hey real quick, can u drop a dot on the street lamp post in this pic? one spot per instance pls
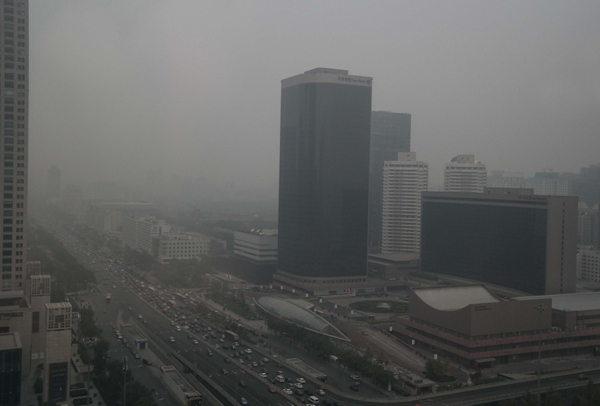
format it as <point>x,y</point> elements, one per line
<point>87,343</point>
<point>540,308</point>
<point>125,368</point>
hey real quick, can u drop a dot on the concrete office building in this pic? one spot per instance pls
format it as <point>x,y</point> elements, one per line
<point>254,256</point>
<point>10,369</point>
<point>588,263</point>
<point>53,191</point>
<point>390,134</point>
<point>188,245</point>
<point>24,293</point>
<point>588,225</point>
<point>464,174</point>
<point>324,176</point>
<point>403,182</point>
<point>506,237</point>
<point>139,232</point>
<point>472,326</point>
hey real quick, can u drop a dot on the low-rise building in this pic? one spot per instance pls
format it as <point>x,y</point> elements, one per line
<point>185,245</point>
<point>393,266</point>
<point>254,256</point>
<point>472,326</point>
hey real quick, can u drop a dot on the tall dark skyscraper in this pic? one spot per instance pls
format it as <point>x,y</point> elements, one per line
<point>390,134</point>
<point>324,174</point>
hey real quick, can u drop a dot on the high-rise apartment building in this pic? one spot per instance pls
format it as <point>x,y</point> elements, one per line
<point>464,174</point>
<point>53,185</point>
<point>324,175</point>
<point>403,182</point>
<point>14,103</point>
<point>507,237</point>
<point>551,184</point>
<point>25,294</point>
<point>390,134</point>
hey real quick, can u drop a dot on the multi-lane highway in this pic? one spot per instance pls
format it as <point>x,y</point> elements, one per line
<point>127,294</point>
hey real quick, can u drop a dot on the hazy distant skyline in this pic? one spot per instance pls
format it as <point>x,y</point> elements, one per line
<point>193,87</point>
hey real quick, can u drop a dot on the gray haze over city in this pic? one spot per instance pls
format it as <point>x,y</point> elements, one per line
<point>192,88</point>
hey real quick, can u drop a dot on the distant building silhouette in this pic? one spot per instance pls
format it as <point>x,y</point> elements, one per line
<point>53,192</point>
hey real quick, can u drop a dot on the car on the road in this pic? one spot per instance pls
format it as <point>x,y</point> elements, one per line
<point>248,351</point>
<point>355,377</point>
<point>243,384</point>
<point>224,371</point>
<point>136,355</point>
<point>227,360</point>
<point>583,377</point>
<point>298,385</point>
<point>288,391</point>
<point>313,399</point>
<point>241,361</point>
<point>300,380</point>
<point>254,365</point>
<point>195,342</point>
<point>263,375</point>
<point>146,362</point>
<point>140,317</point>
<point>271,390</point>
<point>265,359</point>
<point>321,392</point>
<point>172,339</point>
<point>243,401</point>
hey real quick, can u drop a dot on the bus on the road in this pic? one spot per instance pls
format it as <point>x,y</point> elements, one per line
<point>231,335</point>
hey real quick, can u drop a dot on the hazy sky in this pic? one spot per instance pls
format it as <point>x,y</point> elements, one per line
<point>193,87</point>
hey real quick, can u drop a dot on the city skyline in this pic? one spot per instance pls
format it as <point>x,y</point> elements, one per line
<point>507,83</point>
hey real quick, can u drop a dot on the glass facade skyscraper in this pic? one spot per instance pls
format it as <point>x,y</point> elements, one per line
<point>324,173</point>
<point>506,237</point>
<point>390,134</point>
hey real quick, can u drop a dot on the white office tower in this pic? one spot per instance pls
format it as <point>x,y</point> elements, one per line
<point>403,182</point>
<point>464,174</point>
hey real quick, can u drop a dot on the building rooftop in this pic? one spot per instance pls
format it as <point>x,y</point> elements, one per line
<point>396,257</point>
<point>300,313</point>
<point>574,302</point>
<point>450,298</point>
<point>61,305</point>
<point>10,341</point>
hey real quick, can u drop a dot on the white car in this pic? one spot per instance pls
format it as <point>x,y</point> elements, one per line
<point>298,385</point>
<point>172,339</point>
<point>263,375</point>
<point>288,391</point>
<point>241,361</point>
<point>248,351</point>
<point>140,317</point>
<point>300,380</point>
<point>355,377</point>
<point>196,342</point>
<point>321,392</point>
<point>265,359</point>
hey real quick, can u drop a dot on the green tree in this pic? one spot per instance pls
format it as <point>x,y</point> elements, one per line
<point>552,398</point>
<point>530,399</point>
